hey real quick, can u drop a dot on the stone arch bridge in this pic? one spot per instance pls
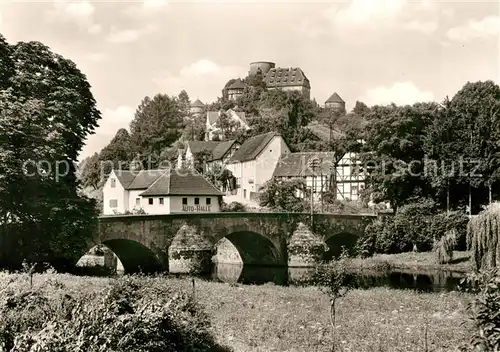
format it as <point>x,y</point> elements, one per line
<point>184,242</point>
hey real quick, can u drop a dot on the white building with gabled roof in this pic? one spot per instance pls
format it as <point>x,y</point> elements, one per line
<point>254,162</point>
<point>159,192</point>
<point>211,128</point>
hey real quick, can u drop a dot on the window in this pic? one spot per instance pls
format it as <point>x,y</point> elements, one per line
<point>184,201</point>
<point>113,182</point>
<point>196,201</point>
<point>113,203</point>
<point>245,193</point>
<point>150,200</point>
<point>209,201</point>
<point>161,201</point>
<point>138,201</point>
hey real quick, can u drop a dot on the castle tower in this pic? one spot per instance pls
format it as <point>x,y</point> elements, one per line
<point>197,107</point>
<point>335,102</point>
<point>263,66</point>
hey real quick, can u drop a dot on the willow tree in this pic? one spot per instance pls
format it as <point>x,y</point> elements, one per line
<point>483,238</point>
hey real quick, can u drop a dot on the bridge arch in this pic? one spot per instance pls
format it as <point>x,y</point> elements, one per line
<point>194,246</point>
<point>134,241</point>
<point>341,231</point>
<point>135,257</point>
<point>336,241</point>
<point>255,249</point>
<point>258,242</point>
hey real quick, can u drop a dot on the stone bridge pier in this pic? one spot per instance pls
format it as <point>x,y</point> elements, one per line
<point>187,243</point>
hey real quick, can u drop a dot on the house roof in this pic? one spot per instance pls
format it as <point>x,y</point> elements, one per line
<point>285,77</point>
<point>144,179</point>
<point>322,131</point>
<point>197,104</point>
<point>299,164</point>
<point>252,147</point>
<point>125,177</point>
<point>238,84</point>
<point>221,149</point>
<point>335,98</point>
<point>216,148</point>
<point>241,115</point>
<point>213,116</point>
<point>181,182</point>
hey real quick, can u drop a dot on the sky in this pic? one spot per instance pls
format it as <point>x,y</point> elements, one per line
<point>375,51</point>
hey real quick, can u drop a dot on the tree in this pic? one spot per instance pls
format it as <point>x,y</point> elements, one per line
<point>475,111</point>
<point>229,129</point>
<point>63,89</point>
<point>361,109</point>
<point>184,102</point>
<point>194,129</point>
<point>250,99</point>
<point>394,153</point>
<point>284,195</point>
<point>47,112</point>
<point>117,154</point>
<point>256,80</point>
<point>91,175</point>
<point>6,64</point>
<point>462,141</point>
<point>158,123</point>
<point>441,147</point>
<point>220,177</point>
<point>286,113</point>
<point>200,160</point>
<point>482,238</point>
<point>300,110</point>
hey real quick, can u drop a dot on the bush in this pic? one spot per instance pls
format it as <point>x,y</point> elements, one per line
<point>233,207</point>
<point>484,310</point>
<point>455,220</point>
<point>338,206</point>
<point>415,224</point>
<point>284,195</point>
<point>444,247</point>
<point>134,314</point>
<point>381,236</point>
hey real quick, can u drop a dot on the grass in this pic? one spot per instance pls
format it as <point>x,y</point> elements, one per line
<point>273,318</point>
<point>417,261</point>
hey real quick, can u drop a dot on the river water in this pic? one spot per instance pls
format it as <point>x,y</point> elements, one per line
<point>432,281</point>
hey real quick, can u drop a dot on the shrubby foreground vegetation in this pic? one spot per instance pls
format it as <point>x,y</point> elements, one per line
<point>67,313</point>
<point>62,313</point>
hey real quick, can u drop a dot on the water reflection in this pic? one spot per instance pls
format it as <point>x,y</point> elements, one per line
<point>255,275</point>
<point>250,274</point>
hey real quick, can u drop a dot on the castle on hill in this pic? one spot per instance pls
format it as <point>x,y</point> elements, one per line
<point>287,79</point>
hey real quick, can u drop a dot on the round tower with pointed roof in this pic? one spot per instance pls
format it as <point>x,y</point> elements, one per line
<point>335,102</point>
<point>197,107</point>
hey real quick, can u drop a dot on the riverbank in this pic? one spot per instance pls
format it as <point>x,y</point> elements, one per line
<point>275,318</point>
<point>413,261</point>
